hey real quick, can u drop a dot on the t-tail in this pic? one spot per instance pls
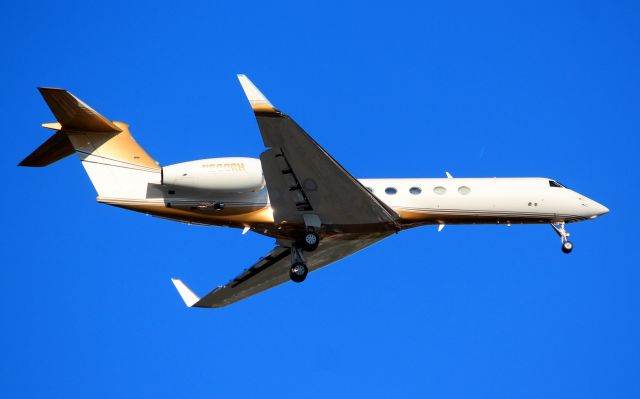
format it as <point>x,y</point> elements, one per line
<point>116,164</point>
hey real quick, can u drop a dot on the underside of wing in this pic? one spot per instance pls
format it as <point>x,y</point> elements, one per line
<point>303,179</point>
<point>273,270</point>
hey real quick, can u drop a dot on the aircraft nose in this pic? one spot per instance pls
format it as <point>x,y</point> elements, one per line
<point>600,209</point>
<point>595,209</point>
<point>590,208</point>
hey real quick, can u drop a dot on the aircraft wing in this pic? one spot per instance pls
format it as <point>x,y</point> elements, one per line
<point>305,184</point>
<point>273,270</point>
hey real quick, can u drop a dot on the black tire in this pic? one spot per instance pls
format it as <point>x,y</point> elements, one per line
<point>567,247</point>
<point>298,272</point>
<point>310,241</point>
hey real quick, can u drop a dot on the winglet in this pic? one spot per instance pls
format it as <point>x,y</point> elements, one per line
<point>52,126</point>
<point>185,292</point>
<point>258,101</point>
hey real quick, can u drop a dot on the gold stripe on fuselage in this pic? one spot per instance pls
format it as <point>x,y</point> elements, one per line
<point>236,216</point>
<point>261,216</point>
<point>415,219</point>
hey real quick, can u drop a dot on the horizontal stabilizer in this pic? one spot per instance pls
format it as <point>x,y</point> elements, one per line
<point>56,148</point>
<point>73,114</point>
<point>185,292</point>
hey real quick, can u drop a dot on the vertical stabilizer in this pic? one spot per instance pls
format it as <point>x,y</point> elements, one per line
<point>116,164</point>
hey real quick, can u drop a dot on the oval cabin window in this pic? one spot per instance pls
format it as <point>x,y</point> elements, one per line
<point>415,190</point>
<point>390,190</point>
<point>464,190</point>
<point>439,190</point>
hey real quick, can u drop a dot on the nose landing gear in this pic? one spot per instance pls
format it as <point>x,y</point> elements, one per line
<point>567,246</point>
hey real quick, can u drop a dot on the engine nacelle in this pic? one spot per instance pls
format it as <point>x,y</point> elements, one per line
<point>238,175</point>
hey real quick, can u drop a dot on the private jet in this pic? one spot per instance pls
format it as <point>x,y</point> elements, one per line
<point>296,193</point>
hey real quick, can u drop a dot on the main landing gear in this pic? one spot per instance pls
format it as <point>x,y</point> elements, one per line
<point>567,246</point>
<point>309,243</point>
<point>299,269</point>
<point>298,272</point>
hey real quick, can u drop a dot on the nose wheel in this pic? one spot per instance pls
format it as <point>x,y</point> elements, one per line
<point>567,246</point>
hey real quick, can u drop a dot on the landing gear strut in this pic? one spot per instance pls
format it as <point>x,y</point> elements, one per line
<point>308,243</point>
<point>299,270</point>
<point>567,246</point>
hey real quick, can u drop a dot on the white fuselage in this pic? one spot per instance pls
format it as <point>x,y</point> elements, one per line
<point>232,192</point>
<point>476,200</point>
<point>238,182</point>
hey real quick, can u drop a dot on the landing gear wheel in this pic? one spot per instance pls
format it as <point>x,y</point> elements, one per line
<point>310,241</point>
<point>567,246</point>
<point>298,272</point>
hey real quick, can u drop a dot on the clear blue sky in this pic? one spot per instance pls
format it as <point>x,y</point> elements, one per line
<point>390,90</point>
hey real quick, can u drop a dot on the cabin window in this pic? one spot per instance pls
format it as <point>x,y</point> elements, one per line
<point>464,190</point>
<point>553,183</point>
<point>415,190</point>
<point>440,190</point>
<point>390,190</point>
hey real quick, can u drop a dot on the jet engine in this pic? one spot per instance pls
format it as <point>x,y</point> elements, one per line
<point>237,175</point>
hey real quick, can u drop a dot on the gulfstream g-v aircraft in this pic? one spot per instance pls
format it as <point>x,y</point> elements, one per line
<point>316,211</point>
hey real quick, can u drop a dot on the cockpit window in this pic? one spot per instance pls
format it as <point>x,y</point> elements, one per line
<point>553,183</point>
